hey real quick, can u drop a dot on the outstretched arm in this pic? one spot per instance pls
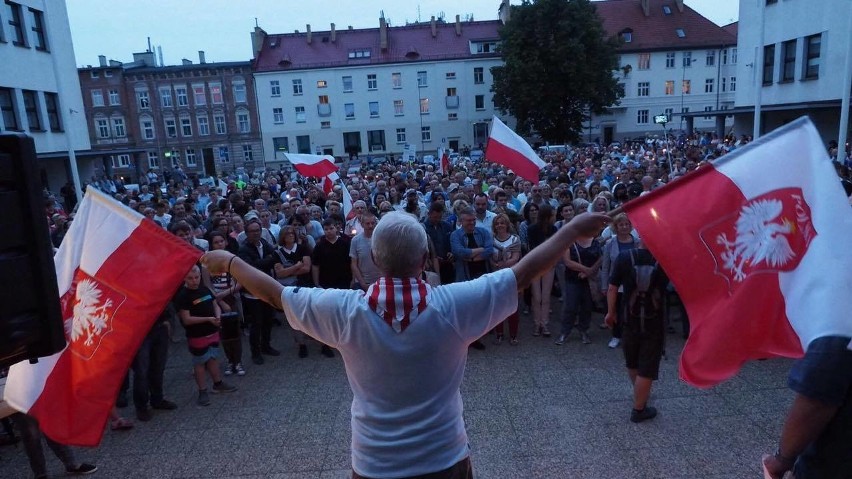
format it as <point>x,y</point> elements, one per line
<point>255,281</point>
<point>545,256</point>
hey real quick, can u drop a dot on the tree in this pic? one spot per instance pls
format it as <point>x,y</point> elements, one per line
<point>558,66</point>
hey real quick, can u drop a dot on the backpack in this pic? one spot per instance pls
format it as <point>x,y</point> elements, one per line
<point>645,302</point>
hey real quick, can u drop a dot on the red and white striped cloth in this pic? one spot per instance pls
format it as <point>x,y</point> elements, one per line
<point>398,300</point>
<point>314,166</point>
<point>510,150</point>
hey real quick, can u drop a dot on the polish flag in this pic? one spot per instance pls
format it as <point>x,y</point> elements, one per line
<point>445,162</point>
<point>328,183</point>
<point>348,211</point>
<point>753,244</point>
<point>116,270</point>
<point>315,166</point>
<point>510,150</point>
<point>440,168</point>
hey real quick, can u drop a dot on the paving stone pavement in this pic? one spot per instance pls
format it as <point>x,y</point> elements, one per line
<point>535,410</point>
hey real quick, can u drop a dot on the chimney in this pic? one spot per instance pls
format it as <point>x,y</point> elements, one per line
<point>146,58</point>
<point>114,63</point>
<point>646,7</point>
<point>458,25</point>
<point>679,5</point>
<point>186,61</point>
<point>201,58</point>
<point>434,27</point>
<point>504,13</point>
<point>258,36</point>
<point>333,34</point>
<point>308,30</point>
<point>102,60</point>
<point>383,34</point>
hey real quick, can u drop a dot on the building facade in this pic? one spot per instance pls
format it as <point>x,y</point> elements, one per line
<point>39,91</point>
<point>374,91</point>
<point>797,67</point>
<point>143,116</point>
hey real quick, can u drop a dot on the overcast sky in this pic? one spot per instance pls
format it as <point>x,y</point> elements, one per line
<point>221,27</point>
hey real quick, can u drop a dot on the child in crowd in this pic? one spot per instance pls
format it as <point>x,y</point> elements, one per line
<point>200,315</point>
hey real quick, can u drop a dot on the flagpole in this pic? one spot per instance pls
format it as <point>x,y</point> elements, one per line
<point>844,102</point>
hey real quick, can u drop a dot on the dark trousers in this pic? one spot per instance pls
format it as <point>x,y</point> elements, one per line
<point>259,318</point>
<point>460,470</point>
<point>31,437</point>
<point>148,367</point>
<point>578,307</point>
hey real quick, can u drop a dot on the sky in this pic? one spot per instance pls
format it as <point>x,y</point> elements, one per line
<point>221,27</point>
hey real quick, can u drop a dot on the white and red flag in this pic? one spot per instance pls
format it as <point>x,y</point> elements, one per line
<point>510,150</point>
<point>315,166</point>
<point>328,183</point>
<point>752,243</point>
<point>348,210</point>
<point>116,270</point>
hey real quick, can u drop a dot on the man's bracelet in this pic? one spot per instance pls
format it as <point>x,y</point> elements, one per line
<point>787,461</point>
<point>229,263</point>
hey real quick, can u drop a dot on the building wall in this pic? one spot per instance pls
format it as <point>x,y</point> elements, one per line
<point>451,118</point>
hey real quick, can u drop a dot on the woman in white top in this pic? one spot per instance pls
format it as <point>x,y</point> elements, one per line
<point>507,252</point>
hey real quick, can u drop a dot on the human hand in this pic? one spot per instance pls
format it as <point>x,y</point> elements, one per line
<point>216,321</point>
<point>774,467</point>
<point>216,261</point>
<point>589,224</point>
<point>609,319</point>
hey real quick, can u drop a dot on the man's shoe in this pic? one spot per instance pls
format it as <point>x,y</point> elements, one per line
<point>143,414</point>
<point>561,340</point>
<point>613,343</point>
<point>223,387</point>
<point>81,470</point>
<point>164,405</point>
<point>643,415</point>
<point>229,369</point>
<point>203,398</point>
<point>303,351</point>
<point>585,338</point>
<point>270,351</point>
<point>257,359</point>
<point>477,345</point>
<point>239,369</point>
<point>326,351</point>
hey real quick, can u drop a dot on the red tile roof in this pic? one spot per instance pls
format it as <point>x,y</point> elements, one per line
<point>403,42</point>
<point>732,28</point>
<point>657,31</point>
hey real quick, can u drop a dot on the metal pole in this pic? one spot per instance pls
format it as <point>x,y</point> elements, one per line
<point>844,103</point>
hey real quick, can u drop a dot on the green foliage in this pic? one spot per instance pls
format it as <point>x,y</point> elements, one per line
<point>558,64</point>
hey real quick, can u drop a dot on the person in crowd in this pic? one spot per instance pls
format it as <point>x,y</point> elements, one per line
<point>621,240</point>
<point>484,217</point>
<point>226,292</point>
<point>32,436</point>
<point>507,253</point>
<point>364,270</point>
<point>582,262</point>
<point>259,253</point>
<point>439,232</point>
<point>294,270</point>
<point>472,248</point>
<point>538,233</point>
<point>330,263</point>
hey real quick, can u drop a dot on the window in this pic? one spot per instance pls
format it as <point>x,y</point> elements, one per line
<point>297,87</point>
<point>171,127</point>
<point>626,35</point>
<point>108,73</point>
<point>708,108</point>
<point>479,102</point>
<point>280,143</point>
<point>667,10</point>
<point>359,53</point>
<point>396,80</point>
<point>349,110</point>
<point>166,97</point>
<point>103,128</point>
<point>31,109</point>
<point>7,106</point>
<point>303,144</point>
<point>147,129</point>
<point>93,73</point>
<point>710,60</point>
<point>216,94</point>
<point>153,160</point>
<point>243,123</point>
<point>114,98</point>
<point>424,106</point>
<point>724,56</point>
<point>734,56</point>
<point>768,64</point>
<point>325,124</point>
<point>224,154</point>
<point>708,85</point>
<point>724,85</point>
<point>17,24</point>
<point>451,91</point>
<point>323,99</point>
<point>684,110</point>
<point>118,128</point>
<point>451,75</point>
<point>680,33</point>
<point>278,115</point>
<point>51,102</point>
<point>376,140</point>
<point>644,61</point>
<point>120,161</point>
<point>733,83</point>
<point>425,133</point>
<point>422,79</point>
<point>143,100</point>
<point>97,98</point>
<point>486,47</point>
<point>478,75</point>
<point>452,116</point>
<point>788,68</point>
<point>374,109</point>
<point>182,99</point>
<point>219,124</point>
<point>670,60</point>
<point>400,135</point>
<point>669,87</point>
<point>347,84</point>
<point>642,117</point>
<point>687,59</point>
<point>190,157</point>
<point>322,84</point>
<point>203,125</point>
<point>813,45</point>
<point>186,126</point>
<point>398,108</point>
<point>240,92</point>
<point>643,88</point>
<point>38,29</point>
<point>248,155</point>
<point>669,112</point>
<point>300,114</point>
<point>274,88</point>
<point>372,83</point>
<point>199,96</point>
<point>686,87</point>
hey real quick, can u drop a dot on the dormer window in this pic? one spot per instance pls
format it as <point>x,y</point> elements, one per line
<point>680,33</point>
<point>481,47</point>
<point>626,35</point>
<point>359,53</point>
<point>667,10</point>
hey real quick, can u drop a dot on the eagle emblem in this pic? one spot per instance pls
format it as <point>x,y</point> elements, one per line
<point>88,309</point>
<point>770,233</point>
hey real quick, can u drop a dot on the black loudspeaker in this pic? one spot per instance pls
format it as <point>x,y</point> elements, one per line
<point>30,316</point>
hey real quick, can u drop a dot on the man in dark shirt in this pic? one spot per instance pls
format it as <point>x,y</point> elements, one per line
<point>260,254</point>
<point>330,262</point>
<point>438,232</point>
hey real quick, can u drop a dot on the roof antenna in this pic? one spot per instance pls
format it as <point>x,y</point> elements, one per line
<point>255,22</point>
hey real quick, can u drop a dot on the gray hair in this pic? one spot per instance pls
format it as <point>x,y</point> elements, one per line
<point>399,244</point>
